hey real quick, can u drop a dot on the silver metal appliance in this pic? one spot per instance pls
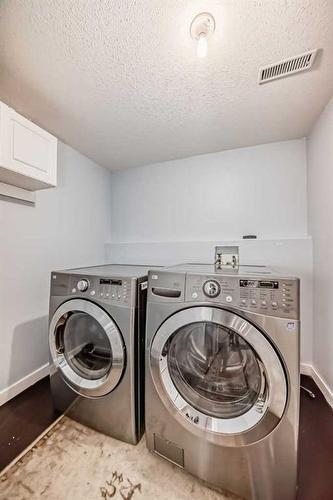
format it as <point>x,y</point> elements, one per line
<point>96,339</point>
<point>222,376</point>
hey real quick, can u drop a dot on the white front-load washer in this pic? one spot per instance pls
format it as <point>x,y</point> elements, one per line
<point>96,340</point>
<point>222,376</point>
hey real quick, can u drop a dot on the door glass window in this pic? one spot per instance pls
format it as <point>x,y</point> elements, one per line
<point>214,369</point>
<point>85,345</point>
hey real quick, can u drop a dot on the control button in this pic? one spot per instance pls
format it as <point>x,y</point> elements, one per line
<point>107,294</point>
<point>92,292</point>
<point>228,298</point>
<point>82,285</point>
<point>113,296</point>
<point>274,304</point>
<point>243,301</point>
<point>253,302</point>
<point>73,290</point>
<point>119,296</point>
<point>194,295</point>
<point>211,289</point>
<point>263,303</point>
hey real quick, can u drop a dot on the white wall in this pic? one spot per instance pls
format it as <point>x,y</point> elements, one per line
<point>260,190</point>
<point>179,210</point>
<point>320,196</point>
<point>68,227</point>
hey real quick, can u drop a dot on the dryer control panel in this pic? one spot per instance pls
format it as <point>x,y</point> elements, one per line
<point>269,296</point>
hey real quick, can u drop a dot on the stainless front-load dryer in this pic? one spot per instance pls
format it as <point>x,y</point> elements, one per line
<point>96,339</point>
<point>222,377</point>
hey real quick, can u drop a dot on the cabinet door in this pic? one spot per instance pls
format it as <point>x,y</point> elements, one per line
<point>28,153</point>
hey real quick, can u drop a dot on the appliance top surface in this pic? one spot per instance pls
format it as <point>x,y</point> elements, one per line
<point>110,270</point>
<point>197,268</point>
<point>245,270</point>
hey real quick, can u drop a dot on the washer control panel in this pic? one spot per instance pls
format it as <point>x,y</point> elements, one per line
<point>119,291</point>
<point>270,296</point>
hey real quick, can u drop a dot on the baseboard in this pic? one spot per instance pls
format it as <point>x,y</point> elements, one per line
<point>307,369</point>
<point>325,389</point>
<point>22,384</point>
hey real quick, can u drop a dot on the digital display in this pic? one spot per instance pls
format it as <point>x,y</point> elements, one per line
<point>268,284</point>
<point>110,282</point>
<point>259,284</point>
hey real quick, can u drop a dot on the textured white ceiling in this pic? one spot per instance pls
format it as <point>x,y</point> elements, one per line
<point>119,80</point>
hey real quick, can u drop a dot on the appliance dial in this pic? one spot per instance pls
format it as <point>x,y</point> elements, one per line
<point>211,289</point>
<point>82,285</point>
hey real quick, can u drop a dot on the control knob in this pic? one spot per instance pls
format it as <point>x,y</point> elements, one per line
<point>211,288</point>
<point>82,285</point>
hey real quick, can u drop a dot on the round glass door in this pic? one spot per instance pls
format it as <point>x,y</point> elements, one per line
<point>87,347</point>
<point>218,373</point>
<point>215,369</point>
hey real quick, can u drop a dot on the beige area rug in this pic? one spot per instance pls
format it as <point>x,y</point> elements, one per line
<point>74,462</point>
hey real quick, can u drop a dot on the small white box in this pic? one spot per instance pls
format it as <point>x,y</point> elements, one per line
<point>226,258</point>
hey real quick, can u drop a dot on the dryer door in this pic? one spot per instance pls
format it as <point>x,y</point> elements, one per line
<point>219,374</point>
<point>87,347</point>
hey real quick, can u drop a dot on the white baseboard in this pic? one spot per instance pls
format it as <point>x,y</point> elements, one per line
<point>325,389</point>
<point>307,369</point>
<point>22,384</point>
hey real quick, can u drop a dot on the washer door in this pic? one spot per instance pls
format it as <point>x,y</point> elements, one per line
<point>87,347</point>
<point>219,374</point>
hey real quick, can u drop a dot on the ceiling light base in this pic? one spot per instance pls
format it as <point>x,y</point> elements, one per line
<point>202,25</point>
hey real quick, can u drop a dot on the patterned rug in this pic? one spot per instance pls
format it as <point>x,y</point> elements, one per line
<point>74,462</point>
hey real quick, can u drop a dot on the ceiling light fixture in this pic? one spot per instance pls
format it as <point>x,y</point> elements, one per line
<point>202,26</point>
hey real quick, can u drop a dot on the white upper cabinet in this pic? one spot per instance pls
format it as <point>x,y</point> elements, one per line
<point>28,154</point>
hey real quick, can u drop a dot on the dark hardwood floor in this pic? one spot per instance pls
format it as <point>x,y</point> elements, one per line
<point>315,459</point>
<point>23,418</point>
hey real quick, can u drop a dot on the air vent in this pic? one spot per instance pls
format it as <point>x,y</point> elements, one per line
<point>287,67</point>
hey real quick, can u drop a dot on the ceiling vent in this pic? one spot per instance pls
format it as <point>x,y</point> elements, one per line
<point>287,67</point>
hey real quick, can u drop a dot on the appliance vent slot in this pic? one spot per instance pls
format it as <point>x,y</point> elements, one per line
<point>287,67</point>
